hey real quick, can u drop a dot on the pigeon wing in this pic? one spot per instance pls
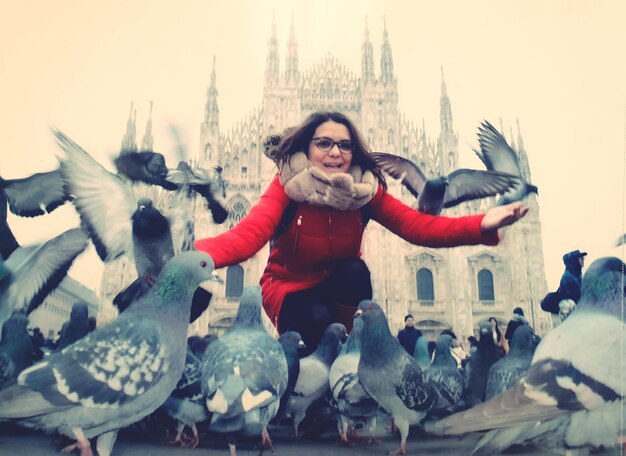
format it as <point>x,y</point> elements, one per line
<point>39,270</point>
<point>495,152</point>
<point>411,388</point>
<point>106,369</point>
<point>104,202</point>
<point>401,168</point>
<point>37,194</point>
<point>470,184</point>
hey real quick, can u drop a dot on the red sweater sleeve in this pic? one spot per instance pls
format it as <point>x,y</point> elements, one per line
<point>425,229</point>
<point>251,233</point>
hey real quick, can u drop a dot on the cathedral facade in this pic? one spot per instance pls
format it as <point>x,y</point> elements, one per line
<point>442,288</point>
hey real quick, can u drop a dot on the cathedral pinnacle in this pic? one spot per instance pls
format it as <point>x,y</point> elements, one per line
<point>367,58</point>
<point>386,59</point>
<point>148,140</point>
<point>291,72</point>
<point>211,110</point>
<point>272,70</point>
<point>129,143</point>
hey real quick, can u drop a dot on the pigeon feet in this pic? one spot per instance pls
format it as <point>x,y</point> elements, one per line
<point>401,450</point>
<point>83,445</point>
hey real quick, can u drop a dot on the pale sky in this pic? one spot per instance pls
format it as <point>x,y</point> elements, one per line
<point>558,67</point>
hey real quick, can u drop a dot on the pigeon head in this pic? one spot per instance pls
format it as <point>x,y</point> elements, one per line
<point>603,285</point>
<point>156,166</point>
<point>523,340</point>
<point>329,345</point>
<point>485,335</point>
<point>376,332</point>
<point>249,312</point>
<point>291,341</point>
<point>443,355</point>
<point>148,222</point>
<point>180,277</point>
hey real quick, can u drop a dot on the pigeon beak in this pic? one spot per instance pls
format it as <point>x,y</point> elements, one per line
<point>215,278</point>
<point>301,344</point>
<point>358,313</point>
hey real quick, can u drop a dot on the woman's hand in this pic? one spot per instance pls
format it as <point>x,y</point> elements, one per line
<point>500,216</point>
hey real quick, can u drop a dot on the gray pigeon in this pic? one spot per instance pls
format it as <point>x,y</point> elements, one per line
<point>8,243</point>
<point>505,372</point>
<point>477,368</point>
<point>572,394</point>
<point>76,327</point>
<point>291,341</point>
<point>497,155</point>
<point>353,403</point>
<point>117,223</point>
<point>36,270</point>
<point>35,195</point>
<point>244,374</point>
<point>312,382</point>
<point>118,373</point>
<point>145,166</point>
<point>444,376</point>
<point>390,375</point>
<point>16,349</point>
<point>444,191</point>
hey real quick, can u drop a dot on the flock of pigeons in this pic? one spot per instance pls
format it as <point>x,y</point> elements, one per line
<point>565,392</point>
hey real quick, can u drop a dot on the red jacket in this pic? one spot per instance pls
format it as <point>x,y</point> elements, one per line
<point>304,254</point>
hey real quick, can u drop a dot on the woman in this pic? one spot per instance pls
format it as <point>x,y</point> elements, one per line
<point>314,275</point>
<point>498,339</point>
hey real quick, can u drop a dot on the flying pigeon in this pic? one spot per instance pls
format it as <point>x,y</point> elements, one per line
<point>312,382</point>
<point>444,191</point>
<point>8,243</point>
<point>572,394</point>
<point>35,195</point>
<point>505,372</point>
<point>244,374</point>
<point>477,368</point>
<point>118,373</point>
<point>36,270</point>
<point>291,341</point>
<point>76,327</point>
<point>390,375</point>
<point>445,378</point>
<point>16,349</point>
<point>353,403</point>
<point>117,223</point>
<point>497,155</point>
<point>146,166</point>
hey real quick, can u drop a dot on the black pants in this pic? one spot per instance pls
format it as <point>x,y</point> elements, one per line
<point>309,312</point>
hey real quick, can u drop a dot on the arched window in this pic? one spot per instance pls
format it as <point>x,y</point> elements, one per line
<point>425,289</point>
<point>234,281</point>
<point>236,211</point>
<point>485,285</point>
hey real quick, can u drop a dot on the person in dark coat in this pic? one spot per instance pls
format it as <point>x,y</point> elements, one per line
<point>515,322</point>
<point>409,335</point>
<point>571,280</point>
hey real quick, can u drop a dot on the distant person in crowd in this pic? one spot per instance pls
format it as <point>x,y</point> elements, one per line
<point>515,322</point>
<point>498,338</point>
<point>562,301</point>
<point>408,336</point>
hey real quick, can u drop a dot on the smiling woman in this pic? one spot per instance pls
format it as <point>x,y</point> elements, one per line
<point>315,275</point>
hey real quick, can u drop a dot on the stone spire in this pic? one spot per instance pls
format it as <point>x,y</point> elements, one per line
<point>291,71</point>
<point>367,58</point>
<point>211,110</point>
<point>386,59</point>
<point>272,70</point>
<point>447,144</point>
<point>129,142</point>
<point>148,140</point>
<point>523,156</point>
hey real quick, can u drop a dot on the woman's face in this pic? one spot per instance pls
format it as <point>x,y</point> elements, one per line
<point>338,158</point>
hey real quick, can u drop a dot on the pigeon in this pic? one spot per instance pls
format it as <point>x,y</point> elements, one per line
<point>497,155</point>
<point>505,372</point>
<point>147,167</point>
<point>353,403</point>
<point>477,368</point>
<point>572,394</point>
<point>76,327</point>
<point>291,341</point>
<point>36,270</point>
<point>421,353</point>
<point>390,375</point>
<point>186,404</point>
<point>621,240</point>
<point>445,378</point>
<point>117,223</point>
<point>16,349</point>
<point>244,374</point>
<point>312,381</point>
<point>444,191</point>
<point>118,373</point>
<point>35,195</point>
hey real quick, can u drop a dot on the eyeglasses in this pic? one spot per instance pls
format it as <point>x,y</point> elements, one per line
<point>325,144</point>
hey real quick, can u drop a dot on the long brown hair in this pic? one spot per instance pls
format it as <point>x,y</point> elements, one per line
<point>297,139</point>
